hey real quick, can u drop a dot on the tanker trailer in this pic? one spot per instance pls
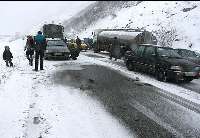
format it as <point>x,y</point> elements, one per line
<point>126,37</point>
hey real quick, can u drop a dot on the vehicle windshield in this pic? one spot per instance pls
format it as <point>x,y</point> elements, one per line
<point>56,43</point>
<point>167,52</point>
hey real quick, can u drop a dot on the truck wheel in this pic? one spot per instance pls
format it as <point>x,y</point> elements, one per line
<point>67,57</point>
<point>161,76</point>
<point>129,65</point>
<point>74,58</point>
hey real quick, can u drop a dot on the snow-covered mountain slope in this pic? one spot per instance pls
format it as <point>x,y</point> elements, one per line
<point>94,13</point>
<point>180,16</point>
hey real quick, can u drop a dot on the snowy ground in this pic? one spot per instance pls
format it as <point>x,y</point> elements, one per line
<point>32,106</point>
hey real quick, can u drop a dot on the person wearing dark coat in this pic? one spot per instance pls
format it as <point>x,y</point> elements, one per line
<point>115,49</point>
<point>29,48</point>
<point>7,56</point>
<point>40,47</point>
<point>78,42</point>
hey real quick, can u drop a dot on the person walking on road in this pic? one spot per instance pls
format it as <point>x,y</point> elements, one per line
<point>115,49</point>
<point>7,56</point>
<point>29,48</point>
<point>40,47</point>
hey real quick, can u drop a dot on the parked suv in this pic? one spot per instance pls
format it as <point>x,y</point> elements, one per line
<point>190,55</point>
<point>164,63</point>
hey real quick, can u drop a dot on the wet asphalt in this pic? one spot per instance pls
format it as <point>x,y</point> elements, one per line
<point>141,107</point>
<point>194,85</point>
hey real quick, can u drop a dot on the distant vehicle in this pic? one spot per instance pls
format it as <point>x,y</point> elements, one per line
<point>56,49</point>
<point>84,46</point>
<point>103,38</point>
<point>189,54</point>
<point>88,42</point>
<point>162,62</point>
<point>53,31</point>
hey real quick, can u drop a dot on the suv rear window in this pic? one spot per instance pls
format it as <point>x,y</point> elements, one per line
<point>139,51</point>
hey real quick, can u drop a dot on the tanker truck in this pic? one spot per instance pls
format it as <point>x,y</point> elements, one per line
<point>103,38</point>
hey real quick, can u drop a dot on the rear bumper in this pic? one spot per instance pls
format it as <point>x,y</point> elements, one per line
<point>182,75</point>
<point>55,55</point>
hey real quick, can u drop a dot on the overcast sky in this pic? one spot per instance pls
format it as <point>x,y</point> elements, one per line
<point>21,16</point>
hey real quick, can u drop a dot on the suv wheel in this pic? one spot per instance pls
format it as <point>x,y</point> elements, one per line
<point>129,65</point>
<point>187,80</point>
<point>161,76</point>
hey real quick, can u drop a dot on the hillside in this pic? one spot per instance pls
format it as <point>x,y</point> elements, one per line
<point>94,13</point>
<point>180,18</point>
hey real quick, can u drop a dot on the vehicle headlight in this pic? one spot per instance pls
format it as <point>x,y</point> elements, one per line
<point>46,51</point>
<point>197,68</point>
<point>176,68</point>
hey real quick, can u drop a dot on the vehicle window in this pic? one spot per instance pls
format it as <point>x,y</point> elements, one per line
<point>168,52</point>
<point>149,51</point>
<point>133,47</point>
<point>56,43</point>
<point>139,50</point>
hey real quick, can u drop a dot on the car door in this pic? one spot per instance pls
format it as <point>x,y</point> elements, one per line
<point>149,59</point>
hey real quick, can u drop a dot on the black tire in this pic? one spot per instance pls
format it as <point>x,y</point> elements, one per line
<point>67,57</point>
<point>129,65</point>
<point>74,58</point>
<point>161,76</point>
<point>188,80</point>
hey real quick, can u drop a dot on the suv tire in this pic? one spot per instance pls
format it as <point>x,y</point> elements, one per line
<point>129,65</point>
<point>161,76</point>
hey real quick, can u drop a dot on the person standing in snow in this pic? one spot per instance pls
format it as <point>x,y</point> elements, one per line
<point>115,49</point>
<point>40,47</point>
<point>7,56</point>
<point>78,42</point>
<point>29,47</point>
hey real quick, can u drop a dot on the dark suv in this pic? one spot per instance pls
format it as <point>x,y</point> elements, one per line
<point>164,63</point>
<point>189,54</point>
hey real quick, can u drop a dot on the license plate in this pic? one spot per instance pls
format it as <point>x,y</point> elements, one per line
<point>57,54</point>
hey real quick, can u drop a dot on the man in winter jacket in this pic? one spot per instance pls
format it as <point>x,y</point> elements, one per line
<point>115,49</point>
<point>7,56</point>
<point>40,47</point>
<point>78,42</point>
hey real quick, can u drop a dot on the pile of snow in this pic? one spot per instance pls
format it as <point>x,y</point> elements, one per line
<point>152,15</point>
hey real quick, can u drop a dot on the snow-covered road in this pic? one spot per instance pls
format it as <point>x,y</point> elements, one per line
<point>32,106</point>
